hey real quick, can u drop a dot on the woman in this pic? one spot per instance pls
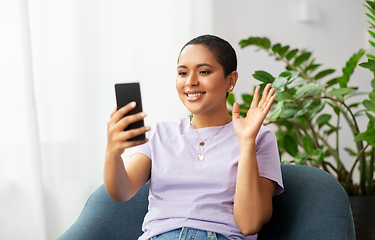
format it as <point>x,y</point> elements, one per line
<point>212,176</point>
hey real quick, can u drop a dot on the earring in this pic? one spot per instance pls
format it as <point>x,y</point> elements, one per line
<point>231,88</point>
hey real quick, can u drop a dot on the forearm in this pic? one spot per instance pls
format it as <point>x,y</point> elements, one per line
<point>252,204</point>
<point>116,179</point>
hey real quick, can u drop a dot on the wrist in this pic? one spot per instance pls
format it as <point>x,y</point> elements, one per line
<point>110,155</point>
<point>246,143</point>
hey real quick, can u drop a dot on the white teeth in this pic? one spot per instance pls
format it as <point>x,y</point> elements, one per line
<point>195,94</point>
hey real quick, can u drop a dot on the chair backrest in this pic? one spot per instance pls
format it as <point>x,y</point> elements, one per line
<point>313,206</point>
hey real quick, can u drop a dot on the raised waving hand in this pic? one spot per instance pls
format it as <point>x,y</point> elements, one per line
<point>248,127</point>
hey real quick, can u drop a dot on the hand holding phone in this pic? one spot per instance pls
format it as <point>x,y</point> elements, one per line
<point>126,93</point>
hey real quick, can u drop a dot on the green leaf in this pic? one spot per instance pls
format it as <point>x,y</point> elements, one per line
<point>289,113</point>
<point>246,42</point>
<point>324,73</point>
<point>322,120</point>
<point>370,56</point>
<point>277,112</point>
<point>247,98</point>
<point>369,136</point>
<point>285,74</point>
<point>351,152</point>
<point>371,122</point>
<point>368,15</point>
<point>281,96</point>
<point>354,105</point>
<point>286,162</point>
<point>301,58</point>
<point>358,137</point>
<point>371,43</point>
<point>370,64</point>
<point>318,156</point>
<point>312,67</point>
<point>371,95</point>
<point>231,99</point>
<point>309,90</point>
<point>291,54</point>
<point>339,93</point>
<point>283,50</point>
<point>372,33</point>
<point>263,76</point>
<point>276,48</point>
<point>349,68</point>
<point>331,82</point>
<point>369,105</point>
<point>315,110</point>
<point>300,158</point>
<point>293,77</point>
<point>307,144</point>
<point>290,145</point>
<point>266,43</point>
<point>369,7</point>
<point>279,84</point>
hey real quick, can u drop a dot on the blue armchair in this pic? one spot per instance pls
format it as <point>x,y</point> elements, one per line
<point>313,206</point>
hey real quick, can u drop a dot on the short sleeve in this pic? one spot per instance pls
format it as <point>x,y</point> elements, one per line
<point>268,158</point>
<point>145,148</point>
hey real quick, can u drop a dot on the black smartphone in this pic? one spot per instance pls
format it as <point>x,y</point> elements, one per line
<point>126,93</point>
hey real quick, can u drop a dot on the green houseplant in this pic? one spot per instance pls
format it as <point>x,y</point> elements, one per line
<point>306,101</point>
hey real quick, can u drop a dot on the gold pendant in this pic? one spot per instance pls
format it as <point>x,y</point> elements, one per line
<point>200,157</point>
<point>201,144</point>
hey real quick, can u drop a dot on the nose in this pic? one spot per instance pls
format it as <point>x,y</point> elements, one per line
<point>192,80</point>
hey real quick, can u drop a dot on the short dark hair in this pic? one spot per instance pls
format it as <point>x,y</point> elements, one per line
<point>222,50</point>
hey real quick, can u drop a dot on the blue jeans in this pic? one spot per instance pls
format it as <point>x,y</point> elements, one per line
<point>189,234</point>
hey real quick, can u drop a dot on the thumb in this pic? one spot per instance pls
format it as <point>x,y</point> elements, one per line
<point>235,111</point>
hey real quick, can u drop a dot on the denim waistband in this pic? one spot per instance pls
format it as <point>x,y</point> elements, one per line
<point>186,233</point>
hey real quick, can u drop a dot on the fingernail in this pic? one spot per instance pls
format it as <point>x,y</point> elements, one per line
<point>147,128</point>
<point>143,114</point>
<point>133,104</point>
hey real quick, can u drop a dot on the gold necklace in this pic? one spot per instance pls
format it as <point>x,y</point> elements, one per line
<point>200,157</point>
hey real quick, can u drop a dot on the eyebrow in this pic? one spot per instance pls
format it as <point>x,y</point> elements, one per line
<point>198,65</point>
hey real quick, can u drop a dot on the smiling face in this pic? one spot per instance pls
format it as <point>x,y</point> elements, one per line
<point>201,83</point>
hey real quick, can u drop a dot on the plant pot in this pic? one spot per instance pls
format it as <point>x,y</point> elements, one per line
<point>363,208</point>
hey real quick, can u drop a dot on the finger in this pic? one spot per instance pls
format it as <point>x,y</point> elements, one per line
<point>126,135</point>
<point>122,111</point>
<point>235,111</point>
<point>114,111</point>
<point>268,97</point>
<point>269,104</point>
<point>265,94</point>
<point>126,121</point>
<point>130,144</point>
<point>254,103</point>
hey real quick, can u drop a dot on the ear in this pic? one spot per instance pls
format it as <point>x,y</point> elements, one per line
<point>232,80</point>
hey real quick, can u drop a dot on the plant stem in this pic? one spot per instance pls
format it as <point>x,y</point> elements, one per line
<point>349,177</point>
<point>370,177</point>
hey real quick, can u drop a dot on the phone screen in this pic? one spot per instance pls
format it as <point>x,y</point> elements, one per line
<point>126,93</point>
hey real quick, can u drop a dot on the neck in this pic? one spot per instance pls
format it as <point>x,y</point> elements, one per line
<point>204,120</point>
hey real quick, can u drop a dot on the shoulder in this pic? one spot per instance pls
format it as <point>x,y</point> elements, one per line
<point>168,128</point>
<point>265,133</point>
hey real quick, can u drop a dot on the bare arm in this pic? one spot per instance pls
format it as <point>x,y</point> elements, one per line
<point>121,180</point>
<point>253,198</point>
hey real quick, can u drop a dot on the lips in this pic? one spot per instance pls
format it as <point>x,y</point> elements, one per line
<point>194,96</point>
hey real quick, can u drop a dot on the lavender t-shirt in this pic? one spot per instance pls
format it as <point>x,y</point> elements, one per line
<point>185,192</point>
